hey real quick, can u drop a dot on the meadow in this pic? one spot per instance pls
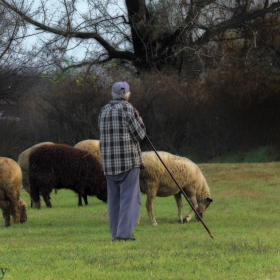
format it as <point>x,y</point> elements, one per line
<point>71,242</point>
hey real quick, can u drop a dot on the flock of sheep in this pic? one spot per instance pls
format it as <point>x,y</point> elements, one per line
<point>48,166</point>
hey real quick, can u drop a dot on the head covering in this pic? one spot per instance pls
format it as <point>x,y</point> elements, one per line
<point>120,88</point>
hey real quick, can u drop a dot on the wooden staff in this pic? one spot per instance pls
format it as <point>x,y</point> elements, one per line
<point>186,197</point>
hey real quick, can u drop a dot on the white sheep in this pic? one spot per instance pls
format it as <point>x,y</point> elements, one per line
<point>91,146</point>
<point>23,161</point>
<point>156,181</point>
<point>153,183</point>
<point>10,184</point>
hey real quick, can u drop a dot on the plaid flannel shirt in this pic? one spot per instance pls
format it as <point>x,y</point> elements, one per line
<point>121,129</point>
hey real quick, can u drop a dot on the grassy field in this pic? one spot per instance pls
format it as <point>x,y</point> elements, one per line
<point>70,242</point>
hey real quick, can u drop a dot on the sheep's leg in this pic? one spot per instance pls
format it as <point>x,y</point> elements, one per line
<point>5,205</point>
<point>149,205</point>
<point>47,198</point>
<point>80,197</point>
<point>35,196</point>
<point>80,202</point>
<point>85,199</point>
<point>178,199</point>
<point>14,210</point>
<point>194,203</point>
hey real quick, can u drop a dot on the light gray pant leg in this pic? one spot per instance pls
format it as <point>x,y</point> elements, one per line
<point>124,201</point>
<point>113,201</point>
<point>130,203</point>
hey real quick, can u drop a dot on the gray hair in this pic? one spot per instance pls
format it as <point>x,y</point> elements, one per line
<point>123,96</point>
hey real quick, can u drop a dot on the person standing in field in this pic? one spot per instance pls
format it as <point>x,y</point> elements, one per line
<point>121,128</point>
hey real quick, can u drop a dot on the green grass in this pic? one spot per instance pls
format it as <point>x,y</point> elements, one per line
<point>70,242</point>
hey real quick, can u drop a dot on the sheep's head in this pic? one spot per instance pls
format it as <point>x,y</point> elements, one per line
<point>202,206</point>
<point>102,192</point>
<point>22,210</point>
<point>102,196</point>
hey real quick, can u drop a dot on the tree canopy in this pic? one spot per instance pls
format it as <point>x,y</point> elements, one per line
<point>147,34</point>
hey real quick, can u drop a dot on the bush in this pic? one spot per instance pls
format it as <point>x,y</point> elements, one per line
<point>228,111</point>
<point>71,108</point>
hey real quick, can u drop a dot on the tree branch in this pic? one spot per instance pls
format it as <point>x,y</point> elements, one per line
<point>112,53</point>
<point>235,22</point>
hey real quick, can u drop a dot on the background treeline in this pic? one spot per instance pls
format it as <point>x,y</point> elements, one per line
<point>204,75</point>
<point>229,111</point>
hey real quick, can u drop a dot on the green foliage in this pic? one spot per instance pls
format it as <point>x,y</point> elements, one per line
<point>254,155</point>
<point>57,77</point>
<point>70,242</point>
<point>262,154</point>
<point>109,64</point>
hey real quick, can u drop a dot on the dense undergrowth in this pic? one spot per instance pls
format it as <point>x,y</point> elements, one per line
<point>230,115</point>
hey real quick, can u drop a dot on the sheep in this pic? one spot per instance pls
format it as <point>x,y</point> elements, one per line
<point>23,161</point>
<point>149,185</point>
<point>60,166</point>
<point>93,147</point>
<point>156,181</point>
<point>10,184</point>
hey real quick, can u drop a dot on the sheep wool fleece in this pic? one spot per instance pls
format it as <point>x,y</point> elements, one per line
<point>124,201</point>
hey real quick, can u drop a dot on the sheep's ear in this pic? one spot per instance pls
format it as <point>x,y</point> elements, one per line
<point>209,199</point>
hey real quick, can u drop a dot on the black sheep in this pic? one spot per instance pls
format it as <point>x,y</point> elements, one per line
<point>62,166</point>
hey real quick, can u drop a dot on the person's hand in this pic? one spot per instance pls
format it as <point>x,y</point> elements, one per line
<point>138,115</point>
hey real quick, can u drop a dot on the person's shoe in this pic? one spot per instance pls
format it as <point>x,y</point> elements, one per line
<point>124,239</point>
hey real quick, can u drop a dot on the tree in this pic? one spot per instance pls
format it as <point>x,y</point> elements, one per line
<point>9,40</point>
<point>149,34</point>
<point>15,77</point>
<point>71,108</point>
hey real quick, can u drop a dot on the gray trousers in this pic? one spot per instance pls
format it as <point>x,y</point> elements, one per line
<point>124,201</point>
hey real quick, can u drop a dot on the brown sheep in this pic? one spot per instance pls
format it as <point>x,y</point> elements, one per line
<point>93,147</point>
<point>62,166</point>
<point>10,184</point>
<point>156,181</point>
<point>23,161</point>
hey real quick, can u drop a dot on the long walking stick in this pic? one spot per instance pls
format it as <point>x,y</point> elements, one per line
<point>186,197</point>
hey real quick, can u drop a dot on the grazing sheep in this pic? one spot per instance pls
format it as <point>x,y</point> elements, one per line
<point>10,184</point>
<point>149,185</point>
<point>93,147</point>
<point>60,166</point>
<point>156,181</point>
<point>23,161</point>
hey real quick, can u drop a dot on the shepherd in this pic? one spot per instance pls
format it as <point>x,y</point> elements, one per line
<point>121,129</point>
